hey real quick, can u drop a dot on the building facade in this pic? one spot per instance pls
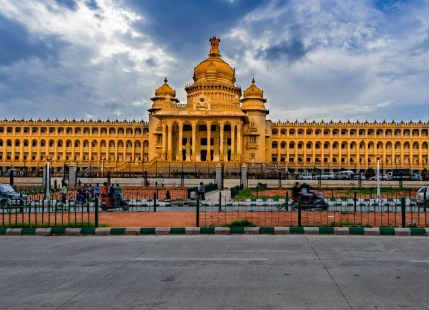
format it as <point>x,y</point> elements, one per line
<point>218,124</point>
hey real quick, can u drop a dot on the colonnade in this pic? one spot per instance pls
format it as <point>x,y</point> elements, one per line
<point>201,141</point>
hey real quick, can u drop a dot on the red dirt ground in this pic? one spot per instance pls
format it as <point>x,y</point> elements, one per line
<point>188,218</point>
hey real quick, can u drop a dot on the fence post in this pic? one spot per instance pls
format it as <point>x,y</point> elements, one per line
<point>198,211</point>
<point>220,201</point>
<point>287,200</point>
<point>403,211</point>
<point>96,212</point>
<point>299,212</point>
<point>154,202</point>
<point>354,201</point>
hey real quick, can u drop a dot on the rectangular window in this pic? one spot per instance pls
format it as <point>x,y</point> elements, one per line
<point>228,141</point>
<point>184,141</point>
<point>203,141</point>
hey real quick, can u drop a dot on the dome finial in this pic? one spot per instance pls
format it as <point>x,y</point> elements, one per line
<point>165,80</point>
<point>253,79</point>
<point>214,49</point>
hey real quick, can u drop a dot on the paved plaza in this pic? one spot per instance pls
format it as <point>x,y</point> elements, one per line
<point>214,272</point>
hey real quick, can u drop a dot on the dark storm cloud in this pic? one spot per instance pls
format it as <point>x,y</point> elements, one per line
<point>19,44</point>
<point>292,50</point>
<point>184,26</point>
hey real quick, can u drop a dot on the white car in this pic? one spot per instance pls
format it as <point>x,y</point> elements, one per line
<point>420,195</point>
<point>328,176</point>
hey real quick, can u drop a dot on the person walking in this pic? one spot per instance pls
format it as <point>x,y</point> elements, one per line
<point>64,193</point>
<point>201,191</point>
<point>96,191</point>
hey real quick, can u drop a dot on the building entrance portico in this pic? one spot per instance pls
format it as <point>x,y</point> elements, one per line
<point>201,140</point>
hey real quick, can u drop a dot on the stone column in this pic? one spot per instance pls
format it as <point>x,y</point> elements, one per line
<point>194,141</point>
<point>233,153</point>
<point>222,124</point>
<point>239,145</point>
<point>170,142</point>
<point>208,157</point>
<point>164,141</point>
<point>180,158</point>
<point>219,176</point>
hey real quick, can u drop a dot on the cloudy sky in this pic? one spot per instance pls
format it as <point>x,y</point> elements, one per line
<point>315,60</point>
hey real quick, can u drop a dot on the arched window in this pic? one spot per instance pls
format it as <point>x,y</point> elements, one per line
<point>407,145</point>
<point>85,143</point>
<point>309,132</point>
<point>291,132</point>
<point>371,145</point>
<point>112,131</point>
<point>343,145</point>
<point>77,130</point>
<point>388,145</point>
<point>406,132</point>
<point>68,143</point>
<point>60,143</point>
<point>397,145</point>
<point>103,130</point>
<point>344,132</point>
<point>103,143</point>
<point>51,143</point>
<point>361,132</point>
<point>326,132</point>
<point>274,144</point>
<point>300,131</point>
<point>76,143</point>
<point>353,145</point>
<point>34,143</point>
<point>362,145</point>
<point>309,145</point>
<point>397,132</point>
<point>326,145</point>
<point>129,131</point>
<point>317,145</point>
<point>146,144</point>
<point>415,146</point>
<point>379,145</point>
<point>94,131</point>
<point>94,143</point>
<point>415,132</point>
<point>335,145</point>
<point>291,145</point>
<point>120,131</point>
<point>425,146</point>
<point>42,142</point>
<point>274,131</point>
<point>388,132</point>
<point>379,132</point>
<point>129,143</point>
<point>353,132</point>
<point>17,142</point>
<point>137,144</point>
<point>86,130</point>
<point>25,142</point>
<point>69,130</point>
<point>138,131</point>
<point>111,143</point>
<point>300,145</point>
<point>120,143</point>
<point>335,132</point>
<point>1,142</point>
<point>283,145</point>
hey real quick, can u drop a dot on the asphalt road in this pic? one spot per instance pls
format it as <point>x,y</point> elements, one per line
<point>214,272</point>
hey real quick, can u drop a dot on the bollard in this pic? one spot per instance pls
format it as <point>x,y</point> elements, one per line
<point>96,213</point>
<point>197,220</point>
<point>403,212</point>
<point>299,212</point>
<point>154,202</point>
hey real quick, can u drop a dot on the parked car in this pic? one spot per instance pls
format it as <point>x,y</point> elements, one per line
<point>344,175</point>
<point>416,177</point>
<point>306,176</point>
<point>9,197</point>
<point>420,195</point>
<point>358,176</point>
<point>328,176</point>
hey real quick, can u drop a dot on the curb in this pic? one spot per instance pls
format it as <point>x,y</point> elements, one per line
<point>120,231</point>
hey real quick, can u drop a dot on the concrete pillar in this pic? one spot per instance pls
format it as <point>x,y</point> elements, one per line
<point>180,157</point>
<point>170,142</point>
<point>219,176</point>
<point>239,145</point>
<point>72,176</point>
<point>208,157</point>
<point>221,148</point>
<point>233,148</point>
<point>164,141</point>
<point>243,180</point>
<point>194,141</point>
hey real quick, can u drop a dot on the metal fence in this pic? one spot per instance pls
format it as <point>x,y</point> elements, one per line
<point>354,211</point>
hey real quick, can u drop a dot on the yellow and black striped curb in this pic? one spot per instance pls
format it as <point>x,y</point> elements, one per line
<point>84,231</point>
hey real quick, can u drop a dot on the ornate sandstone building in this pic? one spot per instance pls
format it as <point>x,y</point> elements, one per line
<point>218,124</point>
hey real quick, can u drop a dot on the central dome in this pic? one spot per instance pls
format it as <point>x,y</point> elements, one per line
<point>214,68</point>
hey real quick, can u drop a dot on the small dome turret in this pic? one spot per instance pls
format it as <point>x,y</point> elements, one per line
<point>165,89</point>
<point>254,91</point>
